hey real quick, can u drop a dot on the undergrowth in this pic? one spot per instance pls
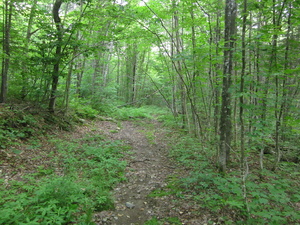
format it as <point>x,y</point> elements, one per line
<point>169,220</point>
<point>19,123</point>
<point>266,197</point>
<point>15,125</point>
<point>22,122</point>
<point>135,113</point>
<point>84,171</point>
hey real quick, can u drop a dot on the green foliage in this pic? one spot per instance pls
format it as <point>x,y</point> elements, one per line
<point>131,113</point>
<point>83,109</point>
<point>127,113</point>
<point>190,152</point>
<point>269,202</point>
<point>266,198</point>
<point>171,189</point>
<point>153,221</point>
<point>150,136</point>
<point>52,201</point>
<point>90,168</point>
<point>168,120</point>
<point>156,111</point>
<point>15,124</point>
<point>169,220</point>
<point>86,111</point>
<point>42,171</point>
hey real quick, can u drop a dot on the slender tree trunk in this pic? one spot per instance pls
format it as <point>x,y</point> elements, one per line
<point>55,74</point>
<point>24,72</point>
<point>68,82</point>
<point>80,68</point>
<point>7,15</point>
<point>274,67</point>
<point>195,74</point>
<point>284,103</point>
<point>134,79</point>
<point>178,66</point>
<point>172,74</point>
<point>96,74</point>
<point>118,71</point>
<point>244,165</point>
<point>217,66</point>
<point>241,115</point>
<point>257,80</point>
<point>225,120</point>
<point>131,67</point>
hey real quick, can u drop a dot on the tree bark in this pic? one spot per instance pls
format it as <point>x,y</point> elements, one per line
<point>274,69</point>
<point>241,115</point>
<point>25,87</point>
<point>55,74</point>
<point>225,120</point>
<point>7,13</point>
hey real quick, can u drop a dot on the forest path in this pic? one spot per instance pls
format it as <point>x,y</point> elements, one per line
<point>148,169</point>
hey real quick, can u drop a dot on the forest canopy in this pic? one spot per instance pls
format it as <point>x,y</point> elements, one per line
<point>227,70</point>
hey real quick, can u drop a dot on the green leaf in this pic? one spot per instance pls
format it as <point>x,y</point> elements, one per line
<point>16,151</point>
<point>263,201</point>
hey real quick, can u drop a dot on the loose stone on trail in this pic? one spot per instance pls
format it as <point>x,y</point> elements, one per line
<point>129,205</point>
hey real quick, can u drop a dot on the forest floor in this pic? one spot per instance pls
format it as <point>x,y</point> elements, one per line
<point>156,190</point>
<point>149,169</point>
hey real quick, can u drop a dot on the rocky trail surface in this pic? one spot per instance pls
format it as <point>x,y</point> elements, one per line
<point>149,169</point>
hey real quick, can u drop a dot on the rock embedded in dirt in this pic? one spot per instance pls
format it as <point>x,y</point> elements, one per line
<point>129,205</point>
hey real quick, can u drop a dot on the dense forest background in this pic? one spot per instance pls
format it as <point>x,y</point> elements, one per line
<point>228,71</point>
<point>229,76</point>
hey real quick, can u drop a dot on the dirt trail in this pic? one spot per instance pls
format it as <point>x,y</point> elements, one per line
<point>148,169</point>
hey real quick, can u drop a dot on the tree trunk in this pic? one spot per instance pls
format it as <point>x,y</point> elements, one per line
<point>80,69</point>
<point>29,33</point>
<point>177,42</point>
<point>55,74</point>
<point>7,14</point>
<point>225,120</point>
<point>274,68</point>
<point>217,68</point>
<point>68,82</point>
<point>241,115</point>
